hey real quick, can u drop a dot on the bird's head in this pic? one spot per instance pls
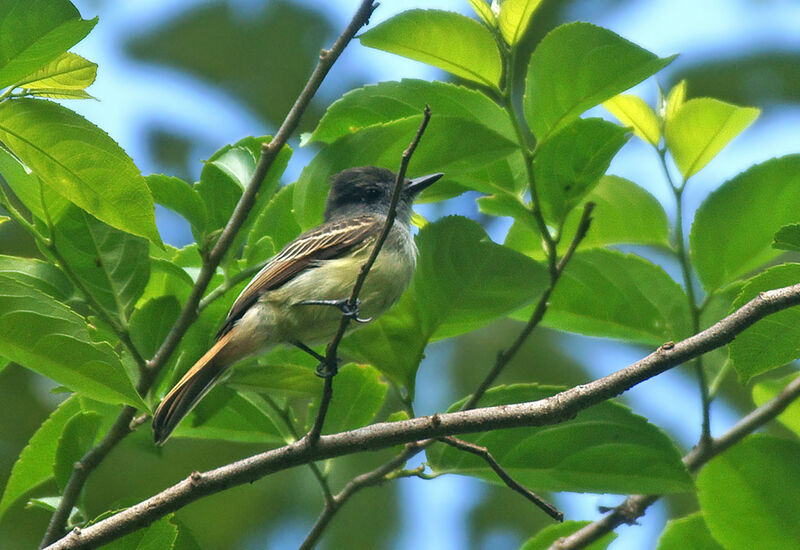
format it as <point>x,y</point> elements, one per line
<point>368,190</point>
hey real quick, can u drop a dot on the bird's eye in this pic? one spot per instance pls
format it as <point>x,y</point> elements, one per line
<point>372,193</point>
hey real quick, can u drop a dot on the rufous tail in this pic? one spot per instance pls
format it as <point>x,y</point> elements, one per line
<point>181,399</point>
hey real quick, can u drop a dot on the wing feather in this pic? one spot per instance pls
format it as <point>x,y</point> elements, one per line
<point>325,242</point>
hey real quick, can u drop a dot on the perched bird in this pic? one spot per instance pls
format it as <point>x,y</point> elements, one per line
<point>289,301</point>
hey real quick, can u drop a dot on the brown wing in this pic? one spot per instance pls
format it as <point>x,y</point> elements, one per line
<point>324,242</point>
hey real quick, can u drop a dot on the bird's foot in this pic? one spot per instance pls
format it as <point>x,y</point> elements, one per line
<point>350,311</point>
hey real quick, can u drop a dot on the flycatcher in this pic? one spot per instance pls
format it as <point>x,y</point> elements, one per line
<point>289,301</point>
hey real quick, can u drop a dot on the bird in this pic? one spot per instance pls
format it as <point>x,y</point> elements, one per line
<point>300,295</point>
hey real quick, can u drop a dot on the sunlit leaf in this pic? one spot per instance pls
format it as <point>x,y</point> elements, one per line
<point>514,18</point>
<point>34,33</point>
<point>632,111</point>
<point>181,198</point>
<point>615,295</point>
<point>359,396</point>
<point>675,100</point>
<point>701,128</point>
<point>40,275</point>
<point>578,66</point>
<point>571,161</point>
<point>688,532</point>
<point>768,389</point>
<point>757,479</point>
<point>733,229</point>
<point>113,265</point>
<point>788,238</point>
<point>448,40</point>
<point>484,11</point>
<point>387,101</point>
<point>774,340</point>
<point>47,337</point>
<point>69,71</point>
<point>80,162</point>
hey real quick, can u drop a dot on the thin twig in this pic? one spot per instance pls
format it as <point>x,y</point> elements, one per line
<point>552,410</point>
<point>190,310</point>
<point>635,506</point>
<point>368,479</point>
<point>513,484</point>
<point>321,478</point>
<point>504,357</point>
<point>332,349</point>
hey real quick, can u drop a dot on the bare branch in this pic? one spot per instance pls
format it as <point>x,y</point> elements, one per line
<point>635,506</point>
<point>513,484</point>
<point>554,409</point>
<point>190,310</point>
<point>333,346</point>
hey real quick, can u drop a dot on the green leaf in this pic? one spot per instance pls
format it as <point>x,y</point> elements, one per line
<point>733,229</point>
<point>570,162</point>
<point>604,449</point>
<point>150,324</point>
<point>514,18</point>
<point>358,397</point>
<point>687,532</point>
<point>80,162</point>
<point>774,340</point>
<point>484,11</point>
<point>757,479</point>
<point>492,282</point>
<point>633,112</point>
<point>675,100</point>
<point>40,275</point>
<point>615,295</point>
<point>34,33</point>
<point>160,535</point>
<point>701,128</point>
<point>181,198</point>
<point>55,93</point>
<point>788,238</point>
<point>35,463</point>
<point>275,222</point>
<point>113,265</point>
<point>29,190</point>
<point>69,71</point>
<point>383,145</point>
<point>578,66</point>
<point>624,213</point>
<point>768,389</point>
<point>47,337</point>
<point>388,101</point>
<point>448,40</point>
<point>76,439</point>
<point>273,377</point>
<point>550,534</point>
<point>230,416</point>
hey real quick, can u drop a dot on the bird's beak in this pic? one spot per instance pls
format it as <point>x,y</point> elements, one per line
<point>417,185</point>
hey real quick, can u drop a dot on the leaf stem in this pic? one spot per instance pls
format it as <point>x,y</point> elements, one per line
<point>686,268</point>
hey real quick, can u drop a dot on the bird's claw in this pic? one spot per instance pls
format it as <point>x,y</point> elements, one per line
<point>323,371</point>
<point>348,310</point>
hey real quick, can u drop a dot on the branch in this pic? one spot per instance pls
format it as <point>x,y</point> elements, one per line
<point>190,310</point>
<point>333,346</point>
<point>484,453</point>
<point>557,408</point>
<point>635,506</point>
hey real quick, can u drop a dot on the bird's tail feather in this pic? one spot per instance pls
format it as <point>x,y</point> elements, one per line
<point>197,381</point>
